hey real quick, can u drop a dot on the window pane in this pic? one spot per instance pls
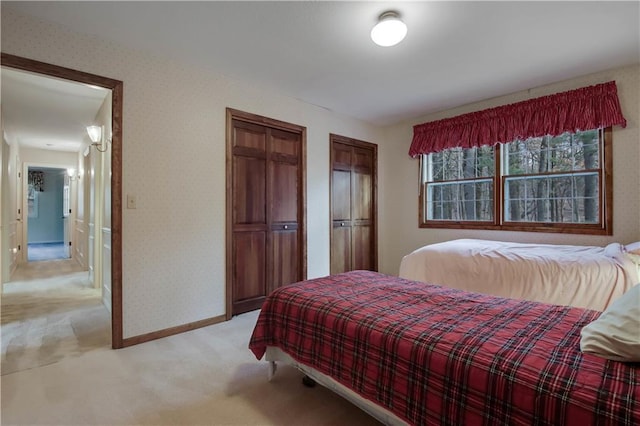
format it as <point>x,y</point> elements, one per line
<point>589,146</point>
<point>458,163</point>
<point>567,152</point>
<point>460,201</point>
<point>571,198</point>
<point>523,157</point>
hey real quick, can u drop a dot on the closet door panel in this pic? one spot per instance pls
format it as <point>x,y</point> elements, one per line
<point>363,160</point>
<point>284,247</point>
<point>361,245</point>
<point>249,260</point>
<point>284,192</point>
<point>362,203</point>
<point>340,247</point>
<point>285,143</point>
<point>341,195</point>
<point>249,187</point>
<point>249,136</point>
<point>341,156</point>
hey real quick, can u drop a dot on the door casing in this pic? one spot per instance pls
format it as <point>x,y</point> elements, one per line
<point>116,87</point>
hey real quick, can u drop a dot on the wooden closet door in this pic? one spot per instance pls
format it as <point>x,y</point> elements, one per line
<point>250,227</point>
<point>265,208</point>
<point>353,205</point>
<point>284,186</point>
<point>341,208</point>
<point>362,228</point>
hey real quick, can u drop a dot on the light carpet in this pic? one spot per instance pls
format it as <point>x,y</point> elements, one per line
<point>207,376</point>
<point>49,312</point>
<point>47,251</point>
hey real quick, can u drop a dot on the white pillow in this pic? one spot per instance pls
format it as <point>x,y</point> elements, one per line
<point>616,333</point>
<point>635,259</point>
<point>633,248</point>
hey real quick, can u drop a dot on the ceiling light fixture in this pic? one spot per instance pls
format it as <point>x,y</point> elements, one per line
<point>389,30</point>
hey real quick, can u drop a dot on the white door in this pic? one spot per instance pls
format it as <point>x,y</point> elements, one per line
<point>66,214</point>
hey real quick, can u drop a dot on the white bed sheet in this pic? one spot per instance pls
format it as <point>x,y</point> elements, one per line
<point>582,276</point>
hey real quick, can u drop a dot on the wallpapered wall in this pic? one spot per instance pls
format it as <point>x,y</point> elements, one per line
<point>400,231</point>
<point>174,162</point>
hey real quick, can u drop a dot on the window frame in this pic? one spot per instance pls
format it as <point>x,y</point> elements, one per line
<point>605,204</point>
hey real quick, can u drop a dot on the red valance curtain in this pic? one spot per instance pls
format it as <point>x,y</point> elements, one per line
<point>591,107</point>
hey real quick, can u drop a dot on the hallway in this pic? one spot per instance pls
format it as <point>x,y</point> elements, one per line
<point>49,312</point>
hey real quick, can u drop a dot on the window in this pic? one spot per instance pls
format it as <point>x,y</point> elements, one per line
<point>460,185</point>
<point>549,184</point>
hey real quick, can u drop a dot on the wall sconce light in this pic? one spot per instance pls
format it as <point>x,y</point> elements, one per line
<point>389,30</point>
<point>71,172</point>
<point>95,134</point>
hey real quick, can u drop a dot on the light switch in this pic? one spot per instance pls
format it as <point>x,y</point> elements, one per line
<point>131,201</point>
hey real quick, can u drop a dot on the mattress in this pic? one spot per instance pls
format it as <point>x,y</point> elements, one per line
<point>581,276</point>
<point>429,354</point>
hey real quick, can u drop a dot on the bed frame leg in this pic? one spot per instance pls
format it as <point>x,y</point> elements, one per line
<point>308,381</point>
<point>272,370</point>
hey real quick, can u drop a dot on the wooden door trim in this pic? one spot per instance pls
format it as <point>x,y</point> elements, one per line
<point>333,139</point>
<point>116,87</point>
<point>234,114</point>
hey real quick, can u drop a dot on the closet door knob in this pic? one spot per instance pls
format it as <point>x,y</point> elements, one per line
<point>341,223</point>
<point>286,227</point>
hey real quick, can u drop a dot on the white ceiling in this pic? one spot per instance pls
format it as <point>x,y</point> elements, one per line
<point>48,113</point>
<point>320,52</point>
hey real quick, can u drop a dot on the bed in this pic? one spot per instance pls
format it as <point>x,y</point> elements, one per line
<point>410,353</point>
<point>581,276</point>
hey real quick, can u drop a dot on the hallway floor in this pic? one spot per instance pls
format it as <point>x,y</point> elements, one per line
<point>46,251</point>
<point>49,313</point>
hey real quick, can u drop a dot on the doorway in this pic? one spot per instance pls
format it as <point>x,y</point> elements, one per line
<point>115,160</point>
<point>47,210</point>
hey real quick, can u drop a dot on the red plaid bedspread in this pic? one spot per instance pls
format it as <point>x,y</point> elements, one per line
<point>434,355</point>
